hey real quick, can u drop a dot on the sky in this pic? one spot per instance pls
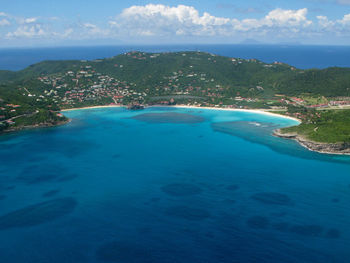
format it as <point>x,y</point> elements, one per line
<point>39,23</point>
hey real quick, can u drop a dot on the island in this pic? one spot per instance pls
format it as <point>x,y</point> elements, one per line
<point>320,99</point>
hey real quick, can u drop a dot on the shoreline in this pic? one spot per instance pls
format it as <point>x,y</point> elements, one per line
<point>33,127</point>
<point>258,111</point>
<point>93,107</point>
<point>319,147</point>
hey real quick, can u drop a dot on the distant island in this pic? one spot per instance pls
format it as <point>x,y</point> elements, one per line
<point>320,99</point>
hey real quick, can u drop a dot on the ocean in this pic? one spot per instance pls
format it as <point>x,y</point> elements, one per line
<point>170,185</point>
<point>304,57</point>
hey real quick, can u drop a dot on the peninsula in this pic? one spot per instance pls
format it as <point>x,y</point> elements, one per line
<point>35,96</point>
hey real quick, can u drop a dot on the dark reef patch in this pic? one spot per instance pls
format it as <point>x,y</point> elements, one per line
<point>232,187</point>
<point>11,187</point>
<point>244,129</point>
<point>181,189</point>
<point>258,222</point>
<point>272,198</point>
<point>39,213</point>
<point>36,174</point>
<point>51,193</point>
<point>70,148</point>
<point>335,200</point>
<point>38,178</point>
<point>333,233</point>
<point>168,117</point>
<point>188,213</point>
<point>307,230</point>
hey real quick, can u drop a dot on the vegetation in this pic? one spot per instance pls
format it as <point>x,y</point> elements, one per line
<point>331,126</point>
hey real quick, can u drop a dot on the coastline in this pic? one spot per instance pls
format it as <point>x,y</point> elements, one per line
<point>93,107</point>
<point>325,148</point>
<point>35,126</point>
<point>259,111</point>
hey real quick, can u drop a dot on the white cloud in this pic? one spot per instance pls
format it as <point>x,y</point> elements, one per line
<point>280,17</point>
<point>3,14</point>
<point>345,20</point>
<point>340,24</point>
<point>4,22</point>
<point>27,31</point>
<point>181,14</point>
<point>29,20</point>
<point>277,19</point>
<point>325,23</point>
<point>92,30</point>
<point>164,20</point>
<point>184,20</point>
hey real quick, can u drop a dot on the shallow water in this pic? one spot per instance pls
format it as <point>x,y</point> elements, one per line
<point>170,185</point>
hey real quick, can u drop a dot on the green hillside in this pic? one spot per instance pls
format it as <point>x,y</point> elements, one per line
<point>329,127</point>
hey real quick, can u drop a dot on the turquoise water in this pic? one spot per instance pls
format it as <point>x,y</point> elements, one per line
<point>170,185</point>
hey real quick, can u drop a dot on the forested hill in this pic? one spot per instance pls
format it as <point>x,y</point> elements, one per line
<point>151,71</point>
<point>151,78</point>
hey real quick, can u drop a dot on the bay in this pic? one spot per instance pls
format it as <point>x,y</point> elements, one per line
<point>115,185</point>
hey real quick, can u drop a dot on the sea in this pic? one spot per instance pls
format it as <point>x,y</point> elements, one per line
<point>172,185</point>
<point>303,57</point>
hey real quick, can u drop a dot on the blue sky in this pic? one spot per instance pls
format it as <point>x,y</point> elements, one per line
<point>77,22</point>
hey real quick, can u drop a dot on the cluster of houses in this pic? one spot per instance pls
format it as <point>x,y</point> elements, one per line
<point>6,111</point>
<point>87,85</point>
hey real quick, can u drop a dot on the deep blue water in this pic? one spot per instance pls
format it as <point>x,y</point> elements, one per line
<point>299,56</point>
<point>170,185</point>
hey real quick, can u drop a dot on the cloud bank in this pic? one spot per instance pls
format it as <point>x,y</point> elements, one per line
<point>160,20</point>
<point>180,22</point>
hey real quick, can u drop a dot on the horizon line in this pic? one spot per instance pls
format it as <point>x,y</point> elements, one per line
<point>174,45</point>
